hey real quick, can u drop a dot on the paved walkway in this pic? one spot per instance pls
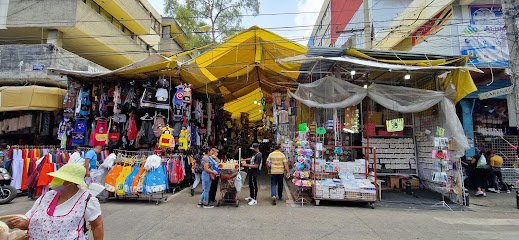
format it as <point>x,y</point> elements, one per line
<point>179,218</point>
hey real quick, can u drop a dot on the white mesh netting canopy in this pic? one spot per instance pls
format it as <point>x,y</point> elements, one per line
<point>331,92</point>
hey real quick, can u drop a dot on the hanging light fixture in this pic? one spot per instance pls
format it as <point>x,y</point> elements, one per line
<point>353,72</point>
<point>407,76</point>
<point>255,102</point>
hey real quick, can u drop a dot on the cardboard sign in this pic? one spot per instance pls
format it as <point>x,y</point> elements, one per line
<point>441,142</point>
<point>395,125</point>
<point>303,127</point>
<point>440,132</point>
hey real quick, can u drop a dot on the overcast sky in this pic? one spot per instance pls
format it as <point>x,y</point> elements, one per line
<point>282,24</point>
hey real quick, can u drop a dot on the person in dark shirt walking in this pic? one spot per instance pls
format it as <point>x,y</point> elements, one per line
<point>254,165</point>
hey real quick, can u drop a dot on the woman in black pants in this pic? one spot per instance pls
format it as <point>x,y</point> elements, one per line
<point>482,175</point>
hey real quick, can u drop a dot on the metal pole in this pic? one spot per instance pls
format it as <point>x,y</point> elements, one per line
<point>510,14</point>
<point>367,25</point>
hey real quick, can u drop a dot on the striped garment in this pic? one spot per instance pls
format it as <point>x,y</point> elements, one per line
<point>277,160</point>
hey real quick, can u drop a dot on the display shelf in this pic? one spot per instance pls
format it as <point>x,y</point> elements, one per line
<point>378,136</point>
<point>409,126</point>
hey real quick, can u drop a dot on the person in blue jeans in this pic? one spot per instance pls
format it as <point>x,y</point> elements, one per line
<point>206,181</point>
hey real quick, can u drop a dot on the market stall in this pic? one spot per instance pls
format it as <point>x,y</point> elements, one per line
<point>29,114</point>
<point>412,128</point>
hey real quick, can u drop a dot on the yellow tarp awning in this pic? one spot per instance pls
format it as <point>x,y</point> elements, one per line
<point>246,104</point>
<point>243,63</point>
<point>31,98</point>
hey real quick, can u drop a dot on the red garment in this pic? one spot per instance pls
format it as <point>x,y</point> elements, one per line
<point>26,161</point>
<point>32,180</point>
<point>132,128</point>
<point>47,167</point>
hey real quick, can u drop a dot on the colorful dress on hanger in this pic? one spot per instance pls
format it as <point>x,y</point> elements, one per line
<point>17,168</point>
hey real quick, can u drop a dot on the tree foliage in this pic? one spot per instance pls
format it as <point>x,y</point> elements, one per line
<point>207,21</point>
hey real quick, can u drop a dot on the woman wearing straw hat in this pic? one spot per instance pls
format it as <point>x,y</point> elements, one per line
<point>63,212</point>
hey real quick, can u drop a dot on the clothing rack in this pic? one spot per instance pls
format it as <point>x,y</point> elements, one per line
<point>34,146</point>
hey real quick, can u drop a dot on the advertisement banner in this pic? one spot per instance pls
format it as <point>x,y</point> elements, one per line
<point>484,37</point>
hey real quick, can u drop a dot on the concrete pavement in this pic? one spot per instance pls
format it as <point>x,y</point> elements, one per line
<point>179,218</point>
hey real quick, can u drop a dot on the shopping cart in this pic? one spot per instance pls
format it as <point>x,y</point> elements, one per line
<point>228,192</point>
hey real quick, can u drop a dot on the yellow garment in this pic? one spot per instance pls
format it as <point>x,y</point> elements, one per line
<point>496,161</point>
<point>183,143</point>
<point>277,160</point>
<point>119,182</point>
<point>462,80</point>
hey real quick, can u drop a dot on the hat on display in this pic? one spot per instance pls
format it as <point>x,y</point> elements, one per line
<point>255,145</point>
<point>71,172</point>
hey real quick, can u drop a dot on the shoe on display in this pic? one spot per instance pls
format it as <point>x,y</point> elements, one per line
<point>507,191</point>
<point>253,202</point>
<point>199,205</point>
<point>192,192</point>
<point>248,199</point>
<point>274,200</point>
<point>479,193</point>
<point>209,206</point>
<point>498,191</point>
<point>492,190</point>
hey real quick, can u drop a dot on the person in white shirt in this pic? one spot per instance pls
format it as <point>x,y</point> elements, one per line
<point>62,213</point>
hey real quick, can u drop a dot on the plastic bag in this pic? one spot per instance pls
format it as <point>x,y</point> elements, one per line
<point>240,178</point>
<point>482,162</point>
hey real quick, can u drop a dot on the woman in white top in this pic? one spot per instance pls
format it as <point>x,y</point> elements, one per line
<point>62,213</point>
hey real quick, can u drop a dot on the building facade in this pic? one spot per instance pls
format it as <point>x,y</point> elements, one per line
<point>447,27</point>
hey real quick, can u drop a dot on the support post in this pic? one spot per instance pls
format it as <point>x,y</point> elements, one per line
<point>512,34</point>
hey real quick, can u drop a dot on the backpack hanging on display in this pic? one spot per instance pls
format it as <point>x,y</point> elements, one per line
<point>100,134</point>
<point>114,135</point>
<point>85,102</point>
<point>178,113</point>
<point>78,134</point>
<point>162,94</point>
<point>179,95</point>
<point>148,97</point>
<point>187,94</point>
<point>166,139</point>
<point>183,143</point>
<point>158,124</point>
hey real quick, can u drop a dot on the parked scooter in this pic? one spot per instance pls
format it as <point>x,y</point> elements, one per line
<point>7,192</point>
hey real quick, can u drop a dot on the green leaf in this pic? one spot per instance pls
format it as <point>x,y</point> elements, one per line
<point>222,16</point>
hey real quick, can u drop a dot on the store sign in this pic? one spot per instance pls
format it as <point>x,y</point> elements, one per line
<point>38,67</point>
<point>395,125</point>
<point>496,93</point>
<point>485,36</point>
